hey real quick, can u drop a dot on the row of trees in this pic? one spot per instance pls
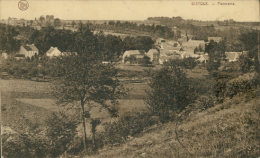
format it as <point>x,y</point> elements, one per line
<point>110,47</point>
<point>153,30</point>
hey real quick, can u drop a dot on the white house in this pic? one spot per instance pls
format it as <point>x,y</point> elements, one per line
<point>129,53</point>
<point>53,52</point>
<point>232,56</point>
<point>154,55</point>
<point>28,50</point>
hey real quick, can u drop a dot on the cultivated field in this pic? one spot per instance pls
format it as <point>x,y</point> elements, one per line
<point>27,102</point>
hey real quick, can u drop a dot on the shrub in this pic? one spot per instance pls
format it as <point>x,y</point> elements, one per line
<point>31,143</point>
<point>229,86</point>
<point>186,63</point>
<point>129,125</point>
<point>245,63</point>
<point>170,92</point>
<point>246,83</point>
<point>61,130</point>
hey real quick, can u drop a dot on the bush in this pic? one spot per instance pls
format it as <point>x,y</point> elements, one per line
<point>245,63</point>
<point>127,126</point>
<point>229,86</point>
<point>186,63</point>
<point>31,143</point>
<point>171,92</point>
<point>61,130</point>
<point>40,142</point>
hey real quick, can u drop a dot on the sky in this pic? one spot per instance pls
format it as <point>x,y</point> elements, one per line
<point>243,10</point>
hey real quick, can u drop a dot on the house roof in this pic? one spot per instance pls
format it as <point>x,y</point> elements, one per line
<point>51,50</point>
<point>132,52</point>
<point>168,46</point>
<point>232,55</point>
<point>152,51</point>
<point>30,47</point>
<point>193,43</point>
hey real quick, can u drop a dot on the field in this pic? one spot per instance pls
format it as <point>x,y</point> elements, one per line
<point>28,102</point>
<point>25,102</point>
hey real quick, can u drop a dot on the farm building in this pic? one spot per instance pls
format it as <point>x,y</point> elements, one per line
<point>29,50</point>
<point>53,52</point>
<point>154,55</point>
<point>192,44</point>
<point>232,56</point>
<point>129,53</point>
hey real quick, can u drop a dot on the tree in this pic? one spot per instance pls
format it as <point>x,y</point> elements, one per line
<point>245,63</point>
<point>73,23</point>
<point>216,53</point>
<point>57,22</point>
<point>171,92</point>
<point>84,78</point>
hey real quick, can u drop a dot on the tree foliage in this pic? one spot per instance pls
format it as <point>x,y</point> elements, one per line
<point>216,52</point>
<point>84,78</point>
<point>171,92</point>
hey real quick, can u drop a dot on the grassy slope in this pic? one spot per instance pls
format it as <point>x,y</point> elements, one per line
<point>231,129</point>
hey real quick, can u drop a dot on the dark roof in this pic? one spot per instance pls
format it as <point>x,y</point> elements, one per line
<point>19,55</point>
<point>30,48</point>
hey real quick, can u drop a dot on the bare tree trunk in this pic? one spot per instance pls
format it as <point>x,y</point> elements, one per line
<point>84,124</point>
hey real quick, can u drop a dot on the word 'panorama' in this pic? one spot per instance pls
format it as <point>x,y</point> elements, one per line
<point>219,3</point>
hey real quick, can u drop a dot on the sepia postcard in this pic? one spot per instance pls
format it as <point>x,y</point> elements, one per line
<point>130,79</point>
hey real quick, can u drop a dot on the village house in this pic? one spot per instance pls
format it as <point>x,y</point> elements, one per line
<point>232,56</point>
<point>154,55</point>
<point>192,44</point>
<point>53,52</point>
<point>134,53</point>
<point>168,49</point>
<point>28,50</point>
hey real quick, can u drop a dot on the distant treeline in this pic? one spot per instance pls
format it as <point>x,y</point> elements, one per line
<point>123,27</point>
<point>110,47</point>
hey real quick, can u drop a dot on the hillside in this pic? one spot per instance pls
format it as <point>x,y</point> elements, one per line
<point>231,129</point>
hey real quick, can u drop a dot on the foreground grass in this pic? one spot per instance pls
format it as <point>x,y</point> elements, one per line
<point>231,129</point>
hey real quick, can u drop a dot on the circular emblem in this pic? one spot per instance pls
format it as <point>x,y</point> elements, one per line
<point>23,5</point>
